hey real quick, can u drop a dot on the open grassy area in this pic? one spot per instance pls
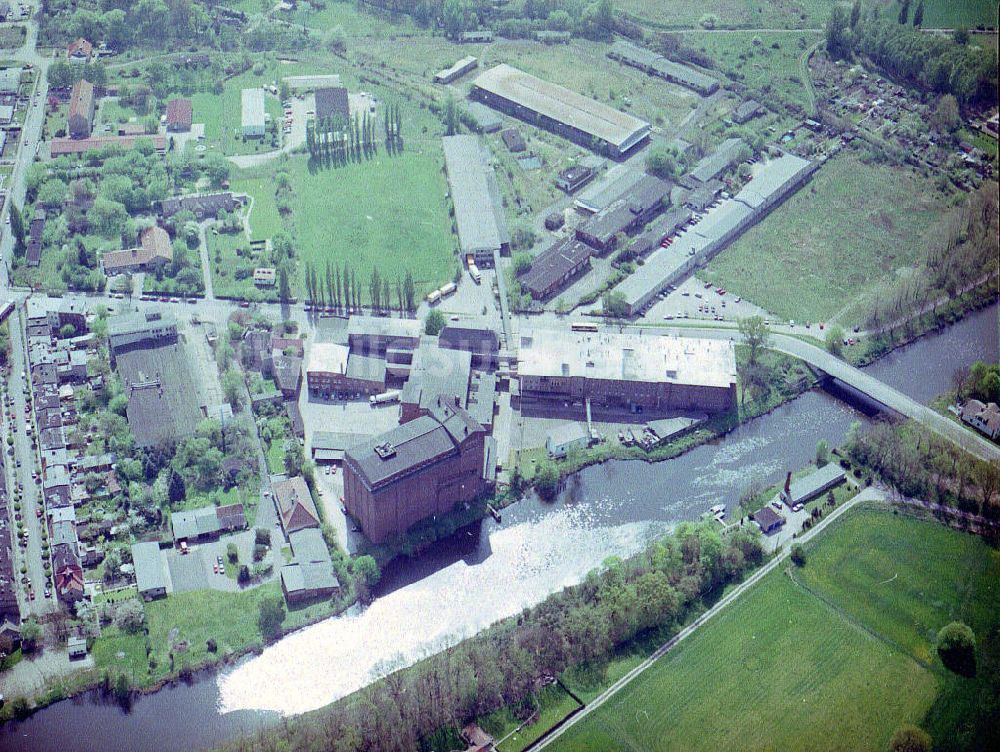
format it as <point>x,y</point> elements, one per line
<point>222,115</point>
<point>834,243</point>
<point>954,14</point>
<point>818,665</point>
<point>264,219</point>
<point>390,211</point>
<point>769,63</point>
<point>756,14</point>
<point>122,653</point>
<point>554,704</point>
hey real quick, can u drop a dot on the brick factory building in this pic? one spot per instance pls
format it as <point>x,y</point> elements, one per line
<point>418,470</point>
<point>638,373</point>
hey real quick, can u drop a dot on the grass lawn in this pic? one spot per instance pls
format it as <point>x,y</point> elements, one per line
<point>780,14</point>
<point>389,211</point>
<point>230,256</point>
<point>347,16</point>
<point>222,115</point>
<point>122,653</point>
<point>762,67</point>
<point>832,245</point>
<point>554,704</point>
<point>228,618</point>
<point>264,218</point>
<point>820,666</point>
<point>276,456</point>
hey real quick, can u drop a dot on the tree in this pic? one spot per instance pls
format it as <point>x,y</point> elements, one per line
<point>798,555</point>
<point>756,336</point>
<point>409,292</point>
<point>956,646</point>
<point>662,162</point>
<point>546,480</point>
<point>946,117</point>
<point>270,616</point>
<point>450,118</point>
<point>835,340</point>
<point>918,15</point>
<point>294,459</point>
<point>838,35</point>
<point>130,616</point>
<point>855,13</point>
<point>17,229</point>
<point>176,491</point>
<point>232,387</point>
<point>822,453</point>
<point>614,305</point>
<point>749,497</point>
<point>910,738</point>
<point>366,569</point>
<point>434,323</point>
<point>284,289</point>
<point>31,633</point>
<point>904,12</point>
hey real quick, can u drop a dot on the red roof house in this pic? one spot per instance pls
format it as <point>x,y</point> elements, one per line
<point>179,115</point>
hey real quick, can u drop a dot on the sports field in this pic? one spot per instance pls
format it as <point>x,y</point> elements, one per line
<point>835,243</point>
<point>818,661</point>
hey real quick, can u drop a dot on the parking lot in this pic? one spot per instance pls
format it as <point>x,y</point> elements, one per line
<point>693,300</point>
<point>196,570</point>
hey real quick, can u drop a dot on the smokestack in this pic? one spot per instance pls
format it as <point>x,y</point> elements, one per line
<point>788,483</point>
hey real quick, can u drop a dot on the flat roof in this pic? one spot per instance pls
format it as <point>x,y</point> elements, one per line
<point>327,357</point>
<point>383,326</point>
<point>816,482</point>
<point>478,214</point>
<point>565,433</point>
<point>771,177</point>
<point>253,107</point>
<point>627,357</point>
<point>138,321</point>
<point>313,81</point>
<point>148,562</point>
<point>562,105</point>
<point>457,67</point>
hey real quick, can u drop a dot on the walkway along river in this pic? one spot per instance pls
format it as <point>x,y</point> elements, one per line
<point>491,570</point>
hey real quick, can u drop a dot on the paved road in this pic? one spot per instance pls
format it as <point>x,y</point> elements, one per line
<point>206,263</point>
<point>777,561</point>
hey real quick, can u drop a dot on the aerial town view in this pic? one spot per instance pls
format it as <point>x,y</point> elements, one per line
<point>499,375</point>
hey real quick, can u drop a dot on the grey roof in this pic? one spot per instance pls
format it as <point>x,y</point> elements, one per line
<point>746,111</point>
<point>482,397</point>
<point>558,103</point>
<point>383,326</point>
<point>566,433</point>
<point>721,159</point>
<point>438,372</point>
<point>771,177</point>
<point>192,523</point>
<point>365,368</point>
<point>411,446</point>
<point>287,371</point>
<point>486,119</point>
<point>553,264</point>
<point>661,66</point>
<point>767,517</point>
<point>615,185</point>
<point>136,322</point>
<point>472,338</point>
<point>478,213</point>
<point>252,107</point>
<point>816,482</point>
<point>161,404</point>
<point>149,570</point>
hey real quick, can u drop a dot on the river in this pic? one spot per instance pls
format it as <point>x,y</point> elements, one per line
<point>491,570</point>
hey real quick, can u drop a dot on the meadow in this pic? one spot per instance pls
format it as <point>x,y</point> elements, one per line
<point>835,243</point>
<point>730,14</point>
<point>816,660</point>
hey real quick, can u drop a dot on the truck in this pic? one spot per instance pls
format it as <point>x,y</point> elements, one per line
<point>474,273</point>
<point>434,297</point>
<point>448,289</point>
<point>385,398</point>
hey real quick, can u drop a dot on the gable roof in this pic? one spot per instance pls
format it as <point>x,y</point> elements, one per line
<point>179,112</point>
<point>80,48</point>
<point>295,504</point>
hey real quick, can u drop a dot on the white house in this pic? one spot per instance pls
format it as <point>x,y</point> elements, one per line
<point>567,437</point>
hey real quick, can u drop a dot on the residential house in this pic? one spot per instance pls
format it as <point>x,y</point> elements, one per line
<point>179,115</point>
<point>295,505</point>
<point>80,51</point>
<point>80,118</point>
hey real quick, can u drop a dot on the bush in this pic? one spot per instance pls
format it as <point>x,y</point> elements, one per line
<point>272,614</point>
<point>232,553</point>
<point>243,577</point>
<point>130,616</point>
<point>909,738</point>
<point>956,646</point>
<point>259,552</point>
<point>798,555</point>
<point>262,537</point>
<point>546,480</point>
<point>211,645</point>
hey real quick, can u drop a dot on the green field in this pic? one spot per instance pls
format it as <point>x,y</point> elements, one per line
<point>751,58</point>
<point>955,14</point>
<point>390,211</point>
<point>748,14</point>
<point>221,115</point>
<point>786,668</point>
<point>264,218</point>
<point>835,243</point>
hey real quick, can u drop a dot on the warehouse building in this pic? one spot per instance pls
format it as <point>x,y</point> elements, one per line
<point>253,120</point>
<point>479,216</point>
<point>644,201</point>
<point>617,184</point>
<point>437,376</point>
<point>560,110</point>
<point>418,470</point>
<point>555,267</point>
<point>657,65</point>
<point>650,374</point>
<point>456,71</point>
<point>482,343</point>
<point>376,335</point>
<point>128,330</point>
<point>772,183</point>
<point>720,160</point>
<point>335,369</point>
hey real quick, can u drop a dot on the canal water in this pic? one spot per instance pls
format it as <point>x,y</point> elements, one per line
<point>492,570</point>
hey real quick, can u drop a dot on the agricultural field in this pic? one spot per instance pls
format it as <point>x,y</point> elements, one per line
<point>769,63</point>
<point>826,650</point>
<point>835,243</point>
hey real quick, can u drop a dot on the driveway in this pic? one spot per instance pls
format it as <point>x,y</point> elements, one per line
<point>300,105</point>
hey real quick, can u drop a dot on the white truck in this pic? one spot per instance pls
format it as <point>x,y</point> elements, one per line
<point>385,398</point>
<point>474,273</point>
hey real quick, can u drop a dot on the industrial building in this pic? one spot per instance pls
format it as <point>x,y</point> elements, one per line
<point>555,267</point>
<point>772,183</point>
<point>336,369</point>
<point>456,71</point>
<point>377,335</point>
<point>646,199</point>
<point>720,160</point>
<point>437,376</point>
<point>136,329</point>
<point>657,65</point>
<point>253,119</point>
<point>420,469</point>
<point>479,215</point>
<point>574,116</point>
<point>482,343</point>
<point>633,372</point>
